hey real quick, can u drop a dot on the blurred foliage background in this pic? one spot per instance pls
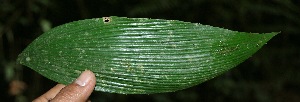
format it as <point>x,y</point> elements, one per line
<point>270,75</point>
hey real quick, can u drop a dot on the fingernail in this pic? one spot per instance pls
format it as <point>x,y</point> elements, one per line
<point>84,78</point>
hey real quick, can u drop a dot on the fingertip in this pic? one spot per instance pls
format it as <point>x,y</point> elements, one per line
<point>79,90</point>
<point>86,77</point>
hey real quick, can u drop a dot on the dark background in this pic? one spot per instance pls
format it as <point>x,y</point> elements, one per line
<point>270,75</point>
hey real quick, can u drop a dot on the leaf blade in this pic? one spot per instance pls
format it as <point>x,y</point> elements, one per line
<point>138,55</point>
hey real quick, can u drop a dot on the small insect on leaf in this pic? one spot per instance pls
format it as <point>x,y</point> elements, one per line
<point>139,55</point>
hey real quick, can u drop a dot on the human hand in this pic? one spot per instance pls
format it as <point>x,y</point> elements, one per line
<point>78,91</point>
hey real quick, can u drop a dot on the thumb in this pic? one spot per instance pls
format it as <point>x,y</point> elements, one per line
<point>79,90</point>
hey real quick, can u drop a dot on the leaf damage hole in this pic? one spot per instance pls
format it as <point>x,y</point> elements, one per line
<point>106,19</point>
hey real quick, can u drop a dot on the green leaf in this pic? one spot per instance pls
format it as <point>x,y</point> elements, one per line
<point>139,55</point>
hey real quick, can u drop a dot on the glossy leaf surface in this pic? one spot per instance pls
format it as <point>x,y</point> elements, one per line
<point>139,55</point>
